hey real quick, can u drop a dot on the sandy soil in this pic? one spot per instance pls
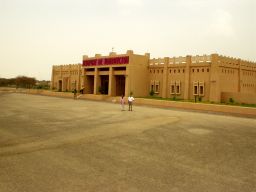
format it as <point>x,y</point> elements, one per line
<point>54,144</point>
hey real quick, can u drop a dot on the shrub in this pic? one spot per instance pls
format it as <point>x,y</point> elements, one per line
<point>231,100</point>
<point>100,90</point>
<point>151,93</point>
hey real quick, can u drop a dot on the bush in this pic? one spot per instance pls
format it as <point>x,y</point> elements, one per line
<point>231,100</point>
<point>100,90</point>
<point>199,99</point>
<point>151,93</point>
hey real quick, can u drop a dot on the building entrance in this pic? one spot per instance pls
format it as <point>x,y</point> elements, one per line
<point>120,85</point>
<point>104,79</point>
<point>60,85</point>
<point>89,84</point>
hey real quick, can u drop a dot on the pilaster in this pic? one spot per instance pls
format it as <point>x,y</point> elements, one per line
<point>239,75</point>
<point>96,81</point>
<point>215,91</point>
<point>187,78</point>
<point>165,78</point>
<point>111,82</point>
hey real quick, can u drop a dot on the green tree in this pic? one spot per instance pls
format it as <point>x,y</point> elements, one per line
<point>25,82</point>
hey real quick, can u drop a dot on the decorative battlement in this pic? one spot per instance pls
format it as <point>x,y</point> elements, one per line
<point>177,60</point>
<point>114,58</point>
<point>181,60</point>
<point>159,61</point>
<point>231,61</point>
<point>67,67</point>
<point>201,59</point>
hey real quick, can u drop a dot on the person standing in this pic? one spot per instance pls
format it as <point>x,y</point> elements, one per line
<point>122,102</point>
<point>75,92</point>
<point>130,102</point>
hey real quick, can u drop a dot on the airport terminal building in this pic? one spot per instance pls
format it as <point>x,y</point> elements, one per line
<point>208,77</point>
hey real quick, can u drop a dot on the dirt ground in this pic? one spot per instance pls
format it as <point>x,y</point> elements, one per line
<point>52,144</point>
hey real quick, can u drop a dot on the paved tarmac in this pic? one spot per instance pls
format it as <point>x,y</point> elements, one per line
<point>52,144</point>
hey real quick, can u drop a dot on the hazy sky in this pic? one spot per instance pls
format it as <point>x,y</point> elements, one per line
<point>36,34</point>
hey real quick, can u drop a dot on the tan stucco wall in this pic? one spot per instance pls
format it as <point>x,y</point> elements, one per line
<point>225,74</point>
<point>239,97</point>
<point>138,75</point>
<point>215,72</point>
<point>70,75</point>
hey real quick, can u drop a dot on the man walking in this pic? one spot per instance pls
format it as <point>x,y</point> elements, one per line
<point>130,101</point>
<point>75,93</point>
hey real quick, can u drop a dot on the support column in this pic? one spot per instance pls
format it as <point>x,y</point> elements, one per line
<point>111,82</point>
<point>165,78</point>
<point>187,78</point>
<point>63,84</point>
<point>127,86</point>
<point>127,80</point>
<point>68,86</point>
<point>96,81</point>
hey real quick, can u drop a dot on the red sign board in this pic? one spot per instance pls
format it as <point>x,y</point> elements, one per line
<point>106,61</point>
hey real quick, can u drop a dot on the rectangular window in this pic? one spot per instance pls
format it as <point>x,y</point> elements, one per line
<point>177,83</point>
<point>152,85</point>
<point>157,86</point>
<point>201,88</point>
<point>195,88</point>
<point>172,89</point>
<point>175,88</point>
<point>178,89</point>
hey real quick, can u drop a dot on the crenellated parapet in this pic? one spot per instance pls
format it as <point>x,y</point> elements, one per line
<point>157,62</point>
<point>170,61</point>
<point>224,61</point>
<point>67,67</point>
<point>201,59</point>
<point>232,62</point>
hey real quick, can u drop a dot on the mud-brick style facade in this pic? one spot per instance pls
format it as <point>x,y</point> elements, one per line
<point>66,77</point>
<point>209,77</point>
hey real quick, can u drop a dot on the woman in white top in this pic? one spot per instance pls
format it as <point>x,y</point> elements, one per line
<point>122,102</point>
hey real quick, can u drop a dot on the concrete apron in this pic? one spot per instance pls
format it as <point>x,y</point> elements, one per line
<point>226,109</point>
